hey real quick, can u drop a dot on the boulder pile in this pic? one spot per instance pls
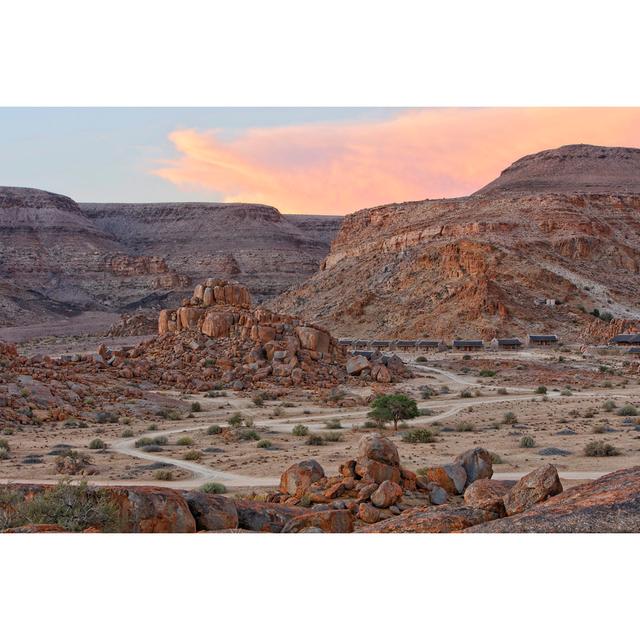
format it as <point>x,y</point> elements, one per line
<point>217,339</point>
<point>378,367</point>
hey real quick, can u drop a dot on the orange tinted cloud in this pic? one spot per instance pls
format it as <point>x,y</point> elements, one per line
<point>416,154</point>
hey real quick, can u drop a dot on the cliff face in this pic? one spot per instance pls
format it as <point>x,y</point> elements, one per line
<point>58,258</point>
<point>485,265</point>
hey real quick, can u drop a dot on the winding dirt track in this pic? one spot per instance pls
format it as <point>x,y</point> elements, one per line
<point>201,473</point>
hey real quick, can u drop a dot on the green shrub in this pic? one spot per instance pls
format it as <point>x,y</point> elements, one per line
<point>163,474</point>
<point>235,420</point>
<point>427,392</point>
<point>300,430</point>
<point>566,392</point>
<point>96,443</point>
<point>215,394</point>
<point>314,440</point>
<point>105,417</point>
<point>248,434</point>
<point>332,437</point>
<point>598,428</point>
<point>143,442</point>
<point>184,441</point>
<point>509,418</point>
<point>196,407</point>
<point>418,436</point>
<point>541,390</point>
<point>609,405</point>
<point>333,423</point>
<point>4,444</point>
<point>127,433</point>
<point>192,455</point>
<point>7,431</point>
<point>502,391</point>
<point>213,487</point>
<point>487,373</point>
<point>464,427</point>
<point>496,458</point>
<point>160,441</point>
<point>4,453</point>
<point>214,430</point>
<point>264,444</point>
<point>527,442</point>
<point>465,393</point>
<point>600,449</point>
<point>72,507</point>
<point>153,427</point>
<point>393,408</point>
<point>627,410</point>
<point>421,359</point>
<point>169,414</point>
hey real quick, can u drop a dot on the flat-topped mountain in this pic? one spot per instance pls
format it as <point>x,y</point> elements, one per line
<point>574,168</point>
<point>59,258</point>
<point>537,250</point>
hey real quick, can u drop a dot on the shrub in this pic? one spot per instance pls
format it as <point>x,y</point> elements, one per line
<point>72,507</point>
<point>235,420</point>
<point>300,430</point>
<point>527,442</point>
<point>127,433</point>
<point>566,392</point>
<point>248,434</point>
<point>192,455</point>
<point>4,444</point>
<point>7,431</point>
<point>509,418</point>
<point>627,410</point>
<point>184,441</point>
<point>418,436</point>
<point>169,414</point>
<point>248,421</point>
<point>487,373</point>
<point>153,427</point>
<point>600,449</point>
<point>502,391</point>
<point>258,401</point>
<point>332,437</point>
<point>96,443</point>
<point>213,487</point>
<point>314,440</point>
<point>163,474</point>
<point>152,448</point>
<point>427,392</point>
<point>393,408</point>
<point>214,430</point>
<point>106,416</point>
<point>334,423</point>
<point>598,428</point>
<point>426,412</point>
<point>264,444</point>
<point>421,359</point>
<point>464,427</point>
<point>444,389</point>
<point>4,453</point>
<point>606,316</point>
<point>495,458</point>
<point>277,412</point>
<point>541,390</point>
<point>465,393</point>
<point>196,407</point>
<point>143,442</point>
<point>160,441</point>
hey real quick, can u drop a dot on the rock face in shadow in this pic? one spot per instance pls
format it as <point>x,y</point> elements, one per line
<point>560,225</point>
<point>59,258</point>
<point>610,504</point>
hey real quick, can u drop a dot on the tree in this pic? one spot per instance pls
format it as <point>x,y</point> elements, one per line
<point>393,408</point>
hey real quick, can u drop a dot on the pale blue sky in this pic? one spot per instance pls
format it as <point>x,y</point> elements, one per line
<point>105,154</point>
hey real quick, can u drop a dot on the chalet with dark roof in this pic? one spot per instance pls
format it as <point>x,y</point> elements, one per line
<point>468,345</point>
<point>626,338</point>
<point>427,345</point>
<point>634,351</point>
<point>542,340</point>
<point>406,345</point>
<point>507,343</point>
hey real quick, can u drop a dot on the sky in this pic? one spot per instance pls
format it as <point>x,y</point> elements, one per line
<point>300,160</point>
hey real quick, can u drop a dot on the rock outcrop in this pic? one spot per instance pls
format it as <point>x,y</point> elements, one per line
<point>557,235</point>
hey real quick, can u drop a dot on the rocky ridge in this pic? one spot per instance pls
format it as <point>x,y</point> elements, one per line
<point>529,254</point>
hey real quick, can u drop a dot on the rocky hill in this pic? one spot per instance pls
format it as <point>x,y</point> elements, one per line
<point>556,236</point>
<point>58,258</point>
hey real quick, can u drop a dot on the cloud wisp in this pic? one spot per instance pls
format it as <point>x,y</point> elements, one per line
<point>337,168</point>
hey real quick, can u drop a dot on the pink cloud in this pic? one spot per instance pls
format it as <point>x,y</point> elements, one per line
<point>417,154</point>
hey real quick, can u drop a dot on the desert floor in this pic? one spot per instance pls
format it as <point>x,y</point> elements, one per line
<point>468,410</point>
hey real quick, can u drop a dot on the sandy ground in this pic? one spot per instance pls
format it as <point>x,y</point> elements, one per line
<point>563,421</point>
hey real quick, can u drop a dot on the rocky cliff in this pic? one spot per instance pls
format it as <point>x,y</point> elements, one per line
<point>58,258</point>
<point>556,236</point>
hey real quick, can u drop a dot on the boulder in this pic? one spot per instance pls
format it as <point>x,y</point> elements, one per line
<point>535,487</point>
<point>265,516</point>
<point>386,494</point>
<point>451,477</point>
<point>374,471</point>
<point>313,339</point>
<point>441,519</point>
<point>368,513</point>
<point>330,521</point>
<point>299,476</point>
<point>477,464</point>
<point>380,373</point>
<point>437,495</point>
<point>610,504</point>
<point>357,364</point>
<point>488,494</point>
<point>376,447</point>
<point>212,512</point>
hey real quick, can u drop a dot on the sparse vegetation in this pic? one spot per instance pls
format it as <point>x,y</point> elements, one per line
<point>527,442</point>
<point>495,458</point>
<point>466,393</point>
<point>184,441</point>
<point>300,430</point>
<point>213,487</point>
<point>97,443</point>
<point>393,408</point>
<point>143,442</point>
<point>609,405</point>
<point>164,475</point>
<point>192,455</point>
<point>487,373</point>
<point>196,407</point>
<point>127,433</point>
<point>418,436</point>
<point>600,449</point>
<point>248,434</point>
<point>264,444</point>
<point>464,427</point>
<point>333,423</point>
<point>214,430</point>
<point>627,410</point>
<point>540,390</point>
<point>509,418</point>
<point>332,437</point>
<point>502,391</point>
<point>314,440</point>
<point>235,420</point>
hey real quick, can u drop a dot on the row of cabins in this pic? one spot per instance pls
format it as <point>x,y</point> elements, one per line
<point>631,340</point>
<point>435,345</point>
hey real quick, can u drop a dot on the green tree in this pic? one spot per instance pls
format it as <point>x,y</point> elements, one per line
<point>393,408</point>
